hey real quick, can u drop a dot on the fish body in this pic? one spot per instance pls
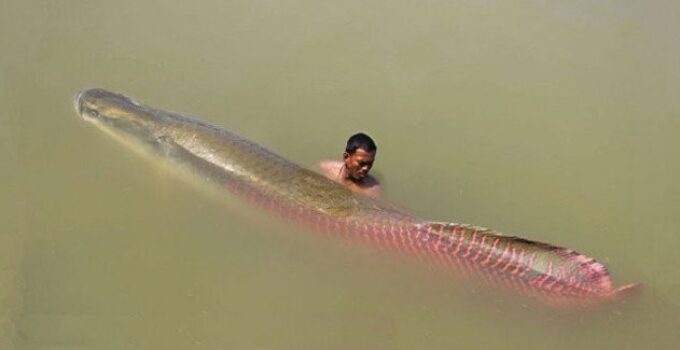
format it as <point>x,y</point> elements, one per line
<point>270,181</point>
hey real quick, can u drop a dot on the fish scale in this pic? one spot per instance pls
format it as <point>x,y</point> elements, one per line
<point>271,182</point>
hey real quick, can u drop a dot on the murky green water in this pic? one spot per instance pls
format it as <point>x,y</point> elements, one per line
<point>554,120</point>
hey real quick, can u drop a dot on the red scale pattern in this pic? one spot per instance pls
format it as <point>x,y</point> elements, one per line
<point>471,251</point>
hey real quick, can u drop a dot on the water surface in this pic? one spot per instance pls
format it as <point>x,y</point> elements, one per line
<point>556,121</point>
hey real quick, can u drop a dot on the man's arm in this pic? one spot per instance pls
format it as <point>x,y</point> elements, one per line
<point>374,191</point>
<point>371,188</point>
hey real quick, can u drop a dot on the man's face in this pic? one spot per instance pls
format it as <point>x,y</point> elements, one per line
<point>359,163</point>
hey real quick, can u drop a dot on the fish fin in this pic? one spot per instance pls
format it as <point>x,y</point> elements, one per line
<point>626,291</point>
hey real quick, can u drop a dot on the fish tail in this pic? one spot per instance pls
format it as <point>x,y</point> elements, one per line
<point>530,266</point>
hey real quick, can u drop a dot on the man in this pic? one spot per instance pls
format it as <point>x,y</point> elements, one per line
<point>357,162</point>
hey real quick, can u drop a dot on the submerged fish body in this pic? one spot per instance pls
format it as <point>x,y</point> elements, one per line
<point>270,181</point>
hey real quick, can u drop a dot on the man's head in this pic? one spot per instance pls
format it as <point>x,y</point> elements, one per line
<point>359,155</point>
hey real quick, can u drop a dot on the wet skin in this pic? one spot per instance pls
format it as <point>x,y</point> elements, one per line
<point>353,172</point>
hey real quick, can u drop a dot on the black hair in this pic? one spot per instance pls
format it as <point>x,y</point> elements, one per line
<point>360,140</point>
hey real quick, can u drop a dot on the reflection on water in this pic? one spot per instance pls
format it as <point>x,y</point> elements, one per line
<point>552,120</point>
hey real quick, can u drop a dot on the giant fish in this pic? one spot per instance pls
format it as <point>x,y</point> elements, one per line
<point>267,180</point>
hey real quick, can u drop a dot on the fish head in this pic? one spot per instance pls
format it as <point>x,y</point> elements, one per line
<point>102,106</point>
<point>118,115</point>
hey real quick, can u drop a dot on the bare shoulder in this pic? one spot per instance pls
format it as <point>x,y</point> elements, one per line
<point>330,168</point>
